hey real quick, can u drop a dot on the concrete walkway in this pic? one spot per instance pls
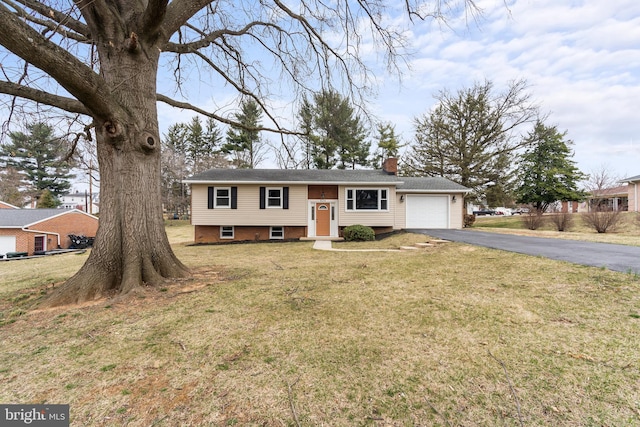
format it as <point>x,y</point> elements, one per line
<point>325,245</point>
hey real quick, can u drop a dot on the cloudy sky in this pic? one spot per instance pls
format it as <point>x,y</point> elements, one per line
<point>581,59</point>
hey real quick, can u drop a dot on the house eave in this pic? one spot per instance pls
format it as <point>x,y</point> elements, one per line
<point>350,183</point>
<point>422,191</point>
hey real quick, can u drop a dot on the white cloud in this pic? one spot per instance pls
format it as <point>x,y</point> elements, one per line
<point>582,60</point>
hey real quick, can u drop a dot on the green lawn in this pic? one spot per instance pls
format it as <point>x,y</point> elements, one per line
<point>626,232</point>
<point>279,334</point>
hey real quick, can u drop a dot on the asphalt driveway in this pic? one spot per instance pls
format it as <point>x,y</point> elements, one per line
<point>621,258</point>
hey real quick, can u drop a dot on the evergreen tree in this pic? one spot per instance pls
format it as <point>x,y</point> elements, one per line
<point>11,181</point>
<point>40,156</point>
<point>388,143</point>
<point>47,200</point>
<point>243,143</point>
<point>547,172</point>
<point>336,135</point>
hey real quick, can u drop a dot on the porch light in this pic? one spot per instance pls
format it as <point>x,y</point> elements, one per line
<point>453,199</point>
<point>402,198</point>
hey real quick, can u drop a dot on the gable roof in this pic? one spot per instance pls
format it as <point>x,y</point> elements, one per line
<point>632,179</point>
<point>323,176</point>
<point>18,218</point>
<point>430,183</point>
<point>621,190</point>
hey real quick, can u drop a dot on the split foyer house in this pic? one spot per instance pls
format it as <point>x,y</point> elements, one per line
<point>275,204</point>
<point>40,230</point>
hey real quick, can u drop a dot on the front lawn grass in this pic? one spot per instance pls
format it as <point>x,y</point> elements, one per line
<point>627,231</point>
<point>281,334</point>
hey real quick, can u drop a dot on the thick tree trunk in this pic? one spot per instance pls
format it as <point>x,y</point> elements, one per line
<point>131,248</point>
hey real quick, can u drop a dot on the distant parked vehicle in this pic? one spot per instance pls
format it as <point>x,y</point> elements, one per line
<point>80,242</point>
<point>483,212</point>
<point>520,211</point>
<point>503,211</point>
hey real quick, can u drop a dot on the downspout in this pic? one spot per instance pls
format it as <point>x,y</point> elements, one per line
<point>43,232</point>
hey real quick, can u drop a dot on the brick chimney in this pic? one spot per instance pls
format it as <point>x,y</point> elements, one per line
<point>390,166</point>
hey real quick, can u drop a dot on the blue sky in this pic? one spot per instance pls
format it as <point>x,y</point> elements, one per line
<point>580,58</point>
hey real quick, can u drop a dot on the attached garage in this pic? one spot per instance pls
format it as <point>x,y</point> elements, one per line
<point>427,211</point>
<point>7,244</point>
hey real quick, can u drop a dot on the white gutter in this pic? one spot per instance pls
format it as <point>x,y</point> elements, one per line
<point>42,232</point>
<point>433,191</point>
<point>351,183</point>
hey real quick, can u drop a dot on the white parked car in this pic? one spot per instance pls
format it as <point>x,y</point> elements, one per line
<point>503,211</point>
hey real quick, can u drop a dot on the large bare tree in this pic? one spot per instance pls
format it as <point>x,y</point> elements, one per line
<point>100,59</point>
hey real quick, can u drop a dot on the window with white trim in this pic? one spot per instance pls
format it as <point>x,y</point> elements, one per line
<point>276,233</point>
<point>274,197</point>
<point>367,199</point>
<point>223,197</point>
<point>226,232</point>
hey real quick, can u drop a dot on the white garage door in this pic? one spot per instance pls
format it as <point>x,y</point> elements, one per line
<point>7,244</point>
<point>427,211</point>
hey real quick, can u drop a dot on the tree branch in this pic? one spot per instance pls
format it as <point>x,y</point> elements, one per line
<point>78,79</point>
<point>187,106</point>
<point>208,39</point>
<point>513,392</point>
<point>154,14</point>
<point>178,12</point>
<point>61,18</point>
<point>67,104</point>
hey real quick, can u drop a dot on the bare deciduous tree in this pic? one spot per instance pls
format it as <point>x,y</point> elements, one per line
<point>561,220</point>
<point>533,218</point>
<point>603,209</point>
<point>100,59</point>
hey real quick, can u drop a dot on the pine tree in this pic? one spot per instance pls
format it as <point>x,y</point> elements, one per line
<point>387,141</point>
<point>243,142</point>
<point>336,136</point>
<point>47,200</point>
<point>547,172</point>
<point>40,156</point>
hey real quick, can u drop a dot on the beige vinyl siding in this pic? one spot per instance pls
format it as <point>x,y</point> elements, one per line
<point>633,195</point>
<point>249,212</point>
<point>457,211</point>
<point>400,214</point>
<point>368,218</point>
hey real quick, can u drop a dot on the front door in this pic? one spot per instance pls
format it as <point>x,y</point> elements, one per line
<point>323,219</point>
<point>39,244</point>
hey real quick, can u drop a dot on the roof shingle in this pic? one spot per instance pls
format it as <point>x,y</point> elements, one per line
<point>16,218</point>
<point>323,176</point>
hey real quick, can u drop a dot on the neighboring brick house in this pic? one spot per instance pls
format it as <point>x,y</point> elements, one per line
<point>41,230</point>
<point>633,193</point>
<point>5,205</point>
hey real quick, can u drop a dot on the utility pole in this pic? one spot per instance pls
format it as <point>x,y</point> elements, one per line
<point>90,210</point>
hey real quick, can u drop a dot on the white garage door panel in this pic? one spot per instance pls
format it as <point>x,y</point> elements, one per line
<point>427,211</point>
<point>7,244</point>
